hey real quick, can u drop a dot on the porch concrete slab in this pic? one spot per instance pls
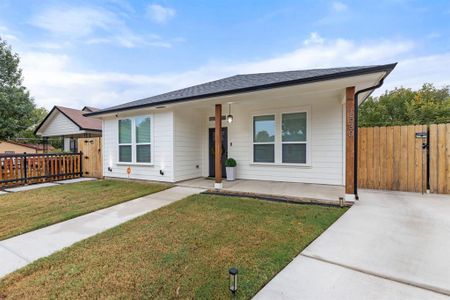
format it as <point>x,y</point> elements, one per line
<point>30,187</point>
<point>3,193</point>
<point>398,236</point>
<point>275,188</point>
<point>306,278</point>
<point>43,242</point>
<point>75,180</point>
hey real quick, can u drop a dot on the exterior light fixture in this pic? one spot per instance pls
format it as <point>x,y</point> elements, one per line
<point>161,172</point>
<point>230,116</point>
<point>109,169</point>
<point>233,280</point>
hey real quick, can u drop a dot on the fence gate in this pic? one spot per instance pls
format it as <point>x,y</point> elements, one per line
<point>410,158</point>
<point>439,158</point>
<point>92,156</point>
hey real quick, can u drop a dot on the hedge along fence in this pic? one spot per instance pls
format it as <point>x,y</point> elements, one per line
<point>21,169</point>
<point>410,158</point>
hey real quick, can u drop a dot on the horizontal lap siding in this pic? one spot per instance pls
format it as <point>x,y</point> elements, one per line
<point>59,125</point>
<point>326,144</point>
<point>162,151</point>
<point>187,144</point>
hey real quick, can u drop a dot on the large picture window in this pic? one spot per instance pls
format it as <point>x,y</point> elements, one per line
<point>293,137</point>
<point>264,139</point>
<point>281,138</point>
<point>135,140</point>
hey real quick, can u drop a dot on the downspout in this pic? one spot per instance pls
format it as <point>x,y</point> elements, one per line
<point>355,170</point>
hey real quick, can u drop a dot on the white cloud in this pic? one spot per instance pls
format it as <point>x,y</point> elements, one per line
<point>339,6</point>
<point>52,78</point>
<point>93,25</point>
<point>7,34</point>
<point>314,38</point>
<point>75,22</point>
<point>160,14</point>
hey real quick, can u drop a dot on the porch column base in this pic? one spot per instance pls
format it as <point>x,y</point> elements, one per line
<point>349,197</point>
<point>218,186</point>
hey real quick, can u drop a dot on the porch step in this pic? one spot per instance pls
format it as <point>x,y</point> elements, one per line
<point>278,198</point>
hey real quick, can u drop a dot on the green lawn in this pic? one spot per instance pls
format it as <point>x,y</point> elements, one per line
<point>182,250</point>
<point>25,211</point>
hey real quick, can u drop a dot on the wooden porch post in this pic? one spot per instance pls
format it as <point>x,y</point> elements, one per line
<point>218,147</point>
<point>350,128</point>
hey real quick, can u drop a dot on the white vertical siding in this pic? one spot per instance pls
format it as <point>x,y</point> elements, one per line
<point>162,146</point>
<point>187,144</point>
<point>66,144</point>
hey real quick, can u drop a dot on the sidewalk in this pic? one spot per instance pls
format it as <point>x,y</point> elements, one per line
<point>21,250</point>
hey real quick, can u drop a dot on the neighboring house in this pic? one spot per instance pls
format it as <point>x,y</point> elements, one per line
<point>70,124</point>
<point>294,126</point>
<point>12,147</point>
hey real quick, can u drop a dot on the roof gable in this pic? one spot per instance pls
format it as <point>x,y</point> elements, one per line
<point>76,120</point>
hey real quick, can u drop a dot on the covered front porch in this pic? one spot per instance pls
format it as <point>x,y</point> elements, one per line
<point>292,191</point>
<point>292,142</point>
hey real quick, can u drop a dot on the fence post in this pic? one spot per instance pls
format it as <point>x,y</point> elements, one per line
<point>81,163</point>
<point>25,167</point>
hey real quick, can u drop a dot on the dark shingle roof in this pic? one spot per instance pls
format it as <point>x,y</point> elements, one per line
<point>79,118</point>
<point>247,83</point>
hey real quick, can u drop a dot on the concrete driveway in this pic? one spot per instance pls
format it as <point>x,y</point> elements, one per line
<point>389,245</point>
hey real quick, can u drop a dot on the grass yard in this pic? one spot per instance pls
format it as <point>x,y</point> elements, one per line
<point>29,210</point>
<point>182,250</point>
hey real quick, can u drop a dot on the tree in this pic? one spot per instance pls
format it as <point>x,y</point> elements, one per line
<point>16,106</point>
<point>403,106</point>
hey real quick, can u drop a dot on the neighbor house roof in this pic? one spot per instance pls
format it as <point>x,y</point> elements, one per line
<point>90,109</point>
<point>247,83</point>
<point>77,117</point>
<point>29,145</point>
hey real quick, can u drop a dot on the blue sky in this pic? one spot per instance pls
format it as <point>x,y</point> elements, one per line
<point>102,53</point>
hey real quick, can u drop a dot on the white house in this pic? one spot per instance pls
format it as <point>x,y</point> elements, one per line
<point>69,124</point>
<point>294,126</point>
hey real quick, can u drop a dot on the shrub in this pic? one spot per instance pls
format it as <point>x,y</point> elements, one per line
<point>230,162</point>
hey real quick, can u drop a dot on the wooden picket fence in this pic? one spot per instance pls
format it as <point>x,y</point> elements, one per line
<point>410,158</point>
<point>21,169</point>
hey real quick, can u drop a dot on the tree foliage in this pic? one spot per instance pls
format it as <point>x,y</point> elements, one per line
<point>404,106</point>
<point>17,109</point>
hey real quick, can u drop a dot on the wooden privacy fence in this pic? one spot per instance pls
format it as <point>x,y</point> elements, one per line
<point>410,158</point>
<point>20,169</point>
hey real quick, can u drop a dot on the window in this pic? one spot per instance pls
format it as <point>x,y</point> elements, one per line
<point>282,137</point>
<point>125,140</point>
<point>293,137</point>
<point>135,140</point>
<point>143,153</point>
<point>264,139</point>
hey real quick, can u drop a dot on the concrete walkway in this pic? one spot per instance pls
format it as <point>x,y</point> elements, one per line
<point>21,250</point>
<point>389,245</point>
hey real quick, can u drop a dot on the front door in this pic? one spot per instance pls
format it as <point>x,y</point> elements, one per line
<point>212,151</point>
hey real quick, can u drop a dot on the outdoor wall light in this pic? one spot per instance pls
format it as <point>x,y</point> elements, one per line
<point>161,172</point>
<point>109,169</point>
<point>230,116</point>
<point>233,280</point>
